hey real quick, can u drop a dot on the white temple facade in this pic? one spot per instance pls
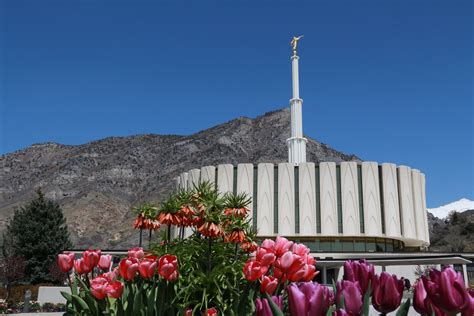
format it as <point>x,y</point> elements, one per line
<point>344,210</point>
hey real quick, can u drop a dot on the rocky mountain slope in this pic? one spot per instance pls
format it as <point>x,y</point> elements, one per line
<point>97,183</point>
<point>454,232</point>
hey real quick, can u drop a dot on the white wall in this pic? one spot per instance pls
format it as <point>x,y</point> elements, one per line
<point>403,197</point>
<point>307,198</point>
<point>286,199</point>
<point>371,194</point>
<point>350,199</point>
<point>328,194</point>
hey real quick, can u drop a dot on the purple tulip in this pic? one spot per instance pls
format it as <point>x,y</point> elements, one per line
<point>446,290</point>
<point>263,307</point>
<point>387,292</point>
<point>359,271</point>
<point>469,310</point>
<point>421,301</point>
<point>352,294</point>
<point>340,312</point>
<point>309,298</point>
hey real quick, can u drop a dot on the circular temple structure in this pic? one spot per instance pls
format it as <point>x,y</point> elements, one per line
<point>343,207</point>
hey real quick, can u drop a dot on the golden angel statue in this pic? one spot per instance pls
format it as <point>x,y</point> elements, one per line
<point>294,42</point>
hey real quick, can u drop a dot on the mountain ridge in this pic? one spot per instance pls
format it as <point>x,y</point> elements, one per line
<point>96,183</point>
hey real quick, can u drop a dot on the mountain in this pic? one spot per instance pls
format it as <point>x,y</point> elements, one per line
<point>97,183</point>
<point>452,227</point>
<point>458,206</point>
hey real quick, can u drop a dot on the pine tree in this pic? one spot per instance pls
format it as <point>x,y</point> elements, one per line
<point>38,232</point>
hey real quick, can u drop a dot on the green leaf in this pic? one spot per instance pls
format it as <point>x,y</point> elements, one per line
<point>67,296</point>
<point>138,303</point>
<point>331,309</point>
<point>403,309</point>
<point>79,303</point>
<point>366,306</point>
<point>275,309</point>
<point>151,301</point>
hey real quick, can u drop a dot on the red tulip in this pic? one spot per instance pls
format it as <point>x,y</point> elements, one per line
<point>352,294</point>
<point>212,312</point>
<point>136,252</point>
<point>128,268</point>
<point>81,267</point>
<point>105,261</point>
<point>91,257</point>
<point>360,271</point>
<point>268,284</point>
<point>264,256</point>
<point>147,268</point>
<point>98,288</point>
<point>282,245</point>
<point>387,292</point>
<point>66,261</point>
<point>188,312</point>
<point>310,272</point>
<point>309,299</point>
<point>114,289</point>
<point>447,291</point>
<point>168,267</point>
<point>421,301</point>
<point>252,270</point>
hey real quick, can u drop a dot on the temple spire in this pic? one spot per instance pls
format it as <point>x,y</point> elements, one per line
<point>296,143</point>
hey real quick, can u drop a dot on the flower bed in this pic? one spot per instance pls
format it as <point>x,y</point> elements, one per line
<point>219,269</point>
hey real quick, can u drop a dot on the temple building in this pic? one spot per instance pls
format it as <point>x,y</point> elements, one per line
<point>341,211</point>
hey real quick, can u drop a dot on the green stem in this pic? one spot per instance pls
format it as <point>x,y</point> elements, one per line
<point>209,257</point>
<point>235,251</point>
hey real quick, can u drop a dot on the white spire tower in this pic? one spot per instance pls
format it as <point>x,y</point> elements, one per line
<point>296,143</point>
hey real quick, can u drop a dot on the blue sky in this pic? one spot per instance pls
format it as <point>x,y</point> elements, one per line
<point>390,81</point>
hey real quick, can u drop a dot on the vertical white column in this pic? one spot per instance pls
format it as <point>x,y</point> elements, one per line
<point>286,199</point>
<point>296,143</point>
<point>245,184</point>
<point>307,198</point>
<point>350,198</point>
<point>225,178</point>
<point>265,199</point>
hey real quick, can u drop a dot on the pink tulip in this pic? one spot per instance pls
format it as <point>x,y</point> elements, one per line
<point>290,263</point>
<point>91,257</point>
<point>168,267</point>
<point>252,270</point>
<point>81,267</point>
<point>360,271</point>
<point>136,252</point>
<point>269,245</point>
<point>128,268</point>
<point>300,249</point>
<point>446,290</point>
<point>262,307</point>
<point>98,288</point>
<point>352,294</point>
<point>111,276</point>
<point>66,261</point>
<point>387,292</point>
<point>114,289</point>
<point>264,256</point>
<point>309,298</point>
<point>282,245</point>
<point>268,284</point>
<point>105,261</point>
<point>147,268</point>
<point>310,272</point>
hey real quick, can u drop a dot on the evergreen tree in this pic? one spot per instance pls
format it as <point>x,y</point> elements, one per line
<point>38,232</point>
